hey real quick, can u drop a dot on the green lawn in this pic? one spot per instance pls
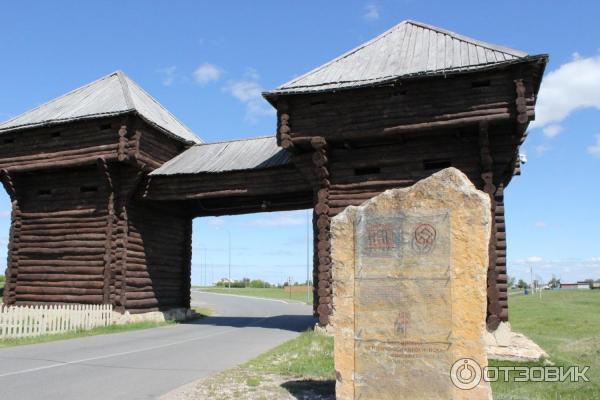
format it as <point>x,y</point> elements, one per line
<point>566,324</point>
<point>270,293</point>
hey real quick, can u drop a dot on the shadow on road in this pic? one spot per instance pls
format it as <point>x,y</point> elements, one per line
<point>305,389</point>
<point>294,323</point>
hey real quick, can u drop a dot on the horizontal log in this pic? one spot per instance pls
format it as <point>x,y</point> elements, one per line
<point>58,154</point>
<point>65,284</point>
<point>54,272</point>
<point>370,184</point>
<point>22,289</point>
<point>61,164</point>
<point>58,214</point>
<point>59,276</point>
<point>46,250</point>
<point>59,298</point>
<point>63,238</point>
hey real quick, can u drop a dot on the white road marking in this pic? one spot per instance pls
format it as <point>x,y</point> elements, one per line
<point>62,364</point>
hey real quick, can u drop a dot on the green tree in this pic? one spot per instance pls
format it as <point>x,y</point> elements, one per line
<point>511,281</point>
<point>554,282</point>
<point>522,284</point>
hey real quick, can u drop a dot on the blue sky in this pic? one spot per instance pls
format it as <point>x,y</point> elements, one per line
<point>208,61</point>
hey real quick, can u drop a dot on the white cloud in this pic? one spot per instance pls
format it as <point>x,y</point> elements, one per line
<point>533,259</point>
<point>542,149</point>
<point>552,130</point>
<point>540,224</point>
<point>371,12</point>
<point>595,148</point>
<point>216,221</point>
<point>207,73</point>
<point>244,90</point>
<point>168,75</point>
<point>574,85</point>
<point>248,90</point>
<point>568,270</point>
<point>283,220</point>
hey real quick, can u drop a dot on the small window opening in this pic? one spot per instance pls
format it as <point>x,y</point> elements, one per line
<point>88,189</point>
<point>478,84</point>
<point>367,171</point>
<point>105,127</point>
<point>56,134</point>
<point>44,192</point>
<point>399,93</point>
<point>9,140</point>
<point>429,165</point>
<point>317,103</point>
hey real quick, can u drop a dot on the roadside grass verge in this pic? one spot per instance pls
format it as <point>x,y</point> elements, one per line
<point>201,312</point>
<point>301,368</point>
<point>83,333</point>
<point>267,293</point>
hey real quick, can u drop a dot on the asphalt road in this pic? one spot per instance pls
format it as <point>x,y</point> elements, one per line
<point>148,363</point>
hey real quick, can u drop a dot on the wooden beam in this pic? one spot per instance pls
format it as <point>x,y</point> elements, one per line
<point>110,219</point>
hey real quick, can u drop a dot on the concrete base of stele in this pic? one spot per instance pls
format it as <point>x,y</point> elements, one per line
<point>173,314</point>
<point>506,345</point>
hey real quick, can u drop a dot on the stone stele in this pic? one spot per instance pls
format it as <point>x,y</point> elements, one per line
<point>409,292</point>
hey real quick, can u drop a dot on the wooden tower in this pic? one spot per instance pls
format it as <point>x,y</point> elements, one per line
<point>72,168</point>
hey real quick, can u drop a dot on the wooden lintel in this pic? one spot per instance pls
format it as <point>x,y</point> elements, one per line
<point>449,123</point>
<point>59,164</point>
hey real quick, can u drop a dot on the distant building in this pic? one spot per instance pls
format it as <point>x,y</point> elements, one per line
<point>596,285</point>
<point>579,285</point>
<point>583,285</point>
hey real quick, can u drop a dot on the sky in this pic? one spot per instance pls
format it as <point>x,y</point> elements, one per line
<point>207,62</point>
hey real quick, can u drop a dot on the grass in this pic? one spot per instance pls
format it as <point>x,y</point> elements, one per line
<point>302,367</point>
<point>565,323</point>
<point>268,293</point>
<point>83,333</point>
<point>201,312</point>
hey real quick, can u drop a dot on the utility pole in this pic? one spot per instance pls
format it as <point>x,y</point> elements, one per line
<point>307,258</point>
<point>229,252</point>
<point>531,278</point>
<point>205,269</point>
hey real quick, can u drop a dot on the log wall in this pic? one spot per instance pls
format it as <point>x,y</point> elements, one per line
<point>158,259</point>
<point>77,235</point>
<point>59,237</point>
<point>392,136</point>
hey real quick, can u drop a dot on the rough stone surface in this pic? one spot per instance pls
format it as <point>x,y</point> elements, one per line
<point>409,290</point>
<point>506,345</point>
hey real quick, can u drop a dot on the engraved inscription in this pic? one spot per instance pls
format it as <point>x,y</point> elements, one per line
<point>402,323</point>
<point>424,238</point>
<point>402,302</point>
<point>381,238</point>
